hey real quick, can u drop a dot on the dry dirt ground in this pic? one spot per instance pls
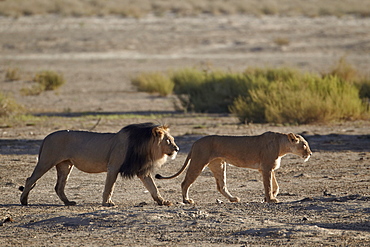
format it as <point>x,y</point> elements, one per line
<point>324,201</point>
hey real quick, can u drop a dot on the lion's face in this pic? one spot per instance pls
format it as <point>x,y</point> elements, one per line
<point>299,146</point>
<point>166,141</point>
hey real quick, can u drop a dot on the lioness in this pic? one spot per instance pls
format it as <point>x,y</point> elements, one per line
<point>133,151</point>
<point>262,152</point>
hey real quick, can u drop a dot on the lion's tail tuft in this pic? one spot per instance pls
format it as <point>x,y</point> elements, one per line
<point>21,188</point>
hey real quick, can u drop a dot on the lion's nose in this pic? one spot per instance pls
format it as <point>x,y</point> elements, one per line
<point>177,148</point>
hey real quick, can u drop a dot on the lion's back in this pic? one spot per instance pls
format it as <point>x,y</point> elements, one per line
<point>68,144</point>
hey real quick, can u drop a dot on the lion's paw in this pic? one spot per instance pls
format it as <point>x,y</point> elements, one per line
<point>70,203</point>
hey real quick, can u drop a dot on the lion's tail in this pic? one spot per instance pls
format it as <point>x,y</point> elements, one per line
<point>186,163</point>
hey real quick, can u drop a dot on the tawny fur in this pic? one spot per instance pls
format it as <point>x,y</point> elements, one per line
<point>262,152</point>
<point>133,151</point>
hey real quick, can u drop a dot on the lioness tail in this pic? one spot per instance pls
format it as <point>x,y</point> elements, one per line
<point>186,163</point>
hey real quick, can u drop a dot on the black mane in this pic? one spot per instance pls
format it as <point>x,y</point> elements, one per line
<point>138,159</point>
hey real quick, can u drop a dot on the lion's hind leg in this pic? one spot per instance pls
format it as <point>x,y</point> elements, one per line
<point>63,170</point>
<point>218,168</point>
<point>40,169</point>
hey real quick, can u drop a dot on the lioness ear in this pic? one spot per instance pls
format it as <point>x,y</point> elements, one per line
<point>293,138</point>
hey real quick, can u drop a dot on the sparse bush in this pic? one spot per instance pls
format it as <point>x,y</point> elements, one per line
<point>154,82</point>
<point>281,41</point>
<point>8,106</point>
<point>49,80</point>
<point>269,95</point>
<point>12,74</point>
<point>364,89</point>
<point>345,71</point>
<point>33,90</point>
<point>209,91</point>
<point>310,99</point>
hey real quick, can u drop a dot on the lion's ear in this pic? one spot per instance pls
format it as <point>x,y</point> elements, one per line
<point>293,138</point>
<point>157,131</point>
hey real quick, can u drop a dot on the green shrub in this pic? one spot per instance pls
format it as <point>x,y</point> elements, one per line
<point>49,80</point>
<point>364,89</point>
<point>188,80</point>
<point>311,99</point>
<point>281,95</point>
<point>154,82</point>
<point>208,91</point>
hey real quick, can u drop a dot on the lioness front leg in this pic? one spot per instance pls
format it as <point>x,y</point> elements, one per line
<point>275,185</point>
<point>152,188</point>
<point>267,183</point>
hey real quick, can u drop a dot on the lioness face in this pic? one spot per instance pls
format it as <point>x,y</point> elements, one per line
<point>300,147</point>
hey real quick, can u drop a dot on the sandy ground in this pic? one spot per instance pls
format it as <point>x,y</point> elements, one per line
<point>324,201</point>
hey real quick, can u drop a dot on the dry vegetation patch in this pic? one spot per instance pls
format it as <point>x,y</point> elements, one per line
<point>282,95</point>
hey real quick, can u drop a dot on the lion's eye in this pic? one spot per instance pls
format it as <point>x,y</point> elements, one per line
<point>168,141</point>
<point>304,146</point>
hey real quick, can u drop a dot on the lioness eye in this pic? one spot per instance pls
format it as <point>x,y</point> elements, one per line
<point>168,142</point>
<point>304,146</point>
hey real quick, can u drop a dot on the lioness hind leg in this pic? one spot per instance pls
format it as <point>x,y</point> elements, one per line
<point>38,172</point>
<point>63,171</point>
<point>218,169</point>
<point>194,170</point>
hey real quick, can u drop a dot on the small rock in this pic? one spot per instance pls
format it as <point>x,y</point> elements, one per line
<point>218,201</point>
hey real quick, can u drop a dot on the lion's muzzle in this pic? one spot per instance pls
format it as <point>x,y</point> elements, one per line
<point>173,154</point>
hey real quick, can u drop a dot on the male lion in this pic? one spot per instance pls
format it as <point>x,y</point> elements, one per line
<point>134,150</point>
<point>262,152</point>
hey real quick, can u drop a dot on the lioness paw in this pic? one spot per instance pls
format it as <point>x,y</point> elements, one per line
<point>272,200</point>
<point>108,204</point>
<point>165,203</point>
<point>235,199</point>
<point>188,201</point>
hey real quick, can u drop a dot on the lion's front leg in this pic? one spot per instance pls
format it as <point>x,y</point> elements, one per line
<point>152,188</point>
<point>109,187</point>
<point>268,185</point>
